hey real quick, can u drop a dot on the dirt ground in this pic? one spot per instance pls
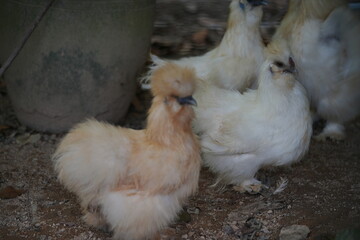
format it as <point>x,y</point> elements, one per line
<point>323,190</point>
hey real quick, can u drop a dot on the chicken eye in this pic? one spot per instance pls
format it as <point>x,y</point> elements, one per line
<point>279,64</point>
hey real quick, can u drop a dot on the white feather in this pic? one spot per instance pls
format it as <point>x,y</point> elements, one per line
<point>240,133</point>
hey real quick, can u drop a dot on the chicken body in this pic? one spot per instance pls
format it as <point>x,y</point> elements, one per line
<point>233,64</point>
<point>240,133</point>
<point>324,38</point>
<point>136,181</point>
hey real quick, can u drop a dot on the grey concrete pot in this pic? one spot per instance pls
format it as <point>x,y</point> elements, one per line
<point>81,61</point>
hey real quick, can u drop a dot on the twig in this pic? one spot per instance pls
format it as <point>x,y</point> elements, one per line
<point>25,38</point>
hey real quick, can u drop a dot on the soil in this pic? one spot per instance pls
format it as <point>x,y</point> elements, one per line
<point>323,191</point>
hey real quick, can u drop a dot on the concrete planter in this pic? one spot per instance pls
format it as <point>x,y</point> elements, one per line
<point>81,61</point>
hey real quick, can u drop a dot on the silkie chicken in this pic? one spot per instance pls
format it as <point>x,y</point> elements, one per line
<point>324,37</point>
<point>242,132</point>
<point>135,181</point>
<point>233,64</point>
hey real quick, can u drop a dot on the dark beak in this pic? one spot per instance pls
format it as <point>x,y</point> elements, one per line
<point>186,100</point>
<point>292,68</point>
<point>242,6</point>
<point>256,3</point>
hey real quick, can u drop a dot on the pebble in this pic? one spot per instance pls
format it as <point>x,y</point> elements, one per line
<point>43,237</point>
<point>228,230</point>
<point>294,232</point>
<point>193,210</point>
<point>69,224</point>
<point>34,138</point>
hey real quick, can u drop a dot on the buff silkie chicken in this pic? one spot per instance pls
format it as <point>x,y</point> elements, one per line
<point>324,38</point>
<point>242,132</point>
<point>135,181</point>
<point>233,64</point>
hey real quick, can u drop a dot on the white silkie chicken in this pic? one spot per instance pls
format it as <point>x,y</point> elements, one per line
<point>135,181</point>
<point>240,133</point>
<point>235,63</point>
<point>324,37</point>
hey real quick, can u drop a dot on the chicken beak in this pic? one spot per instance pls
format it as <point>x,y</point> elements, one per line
<point>256,3</point>
<point>242,6</point>
<point>292,68</point>
<point>187,100</point>
<point>263,2</point>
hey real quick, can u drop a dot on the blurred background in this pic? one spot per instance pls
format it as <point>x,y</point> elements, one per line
<point>191,27</point>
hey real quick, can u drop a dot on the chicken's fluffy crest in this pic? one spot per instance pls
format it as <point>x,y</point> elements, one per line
<point>172,80</point>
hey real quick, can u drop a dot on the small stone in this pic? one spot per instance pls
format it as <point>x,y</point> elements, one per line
<point>294,232</point>
<point>34,138</point>
<point>253,223</point>
<point>42,237</point>
<point>270,211</point>
<point>23,139</point>
<point>69,224</point>
<point>193,210</point>
<point>228,230</point>
<point>185,236</point>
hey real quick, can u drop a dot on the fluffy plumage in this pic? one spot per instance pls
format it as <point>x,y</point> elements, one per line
<point>233,64</point>
<point>324,37</point>
<point>240,133</point>
<point>136,180</point>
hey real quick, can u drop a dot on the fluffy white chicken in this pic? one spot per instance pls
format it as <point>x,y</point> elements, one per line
<point>135,181</point>
<point>324,38</point>
<point>233,64</point>
<point>240,133</point>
